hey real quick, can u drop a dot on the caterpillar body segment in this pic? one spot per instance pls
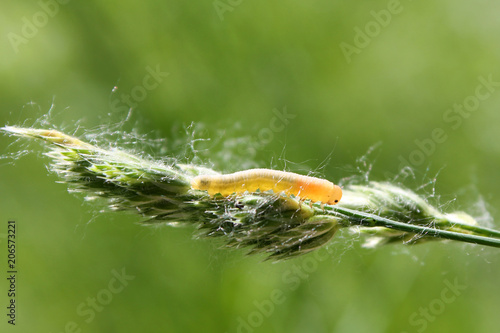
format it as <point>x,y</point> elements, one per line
<point>305,187</point>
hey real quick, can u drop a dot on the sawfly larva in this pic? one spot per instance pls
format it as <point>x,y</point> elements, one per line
<point>304,187</point>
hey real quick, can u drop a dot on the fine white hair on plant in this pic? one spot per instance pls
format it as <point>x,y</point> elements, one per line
<point>274,224</point>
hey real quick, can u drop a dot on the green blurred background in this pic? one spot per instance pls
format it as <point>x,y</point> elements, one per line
<point>231,65</point>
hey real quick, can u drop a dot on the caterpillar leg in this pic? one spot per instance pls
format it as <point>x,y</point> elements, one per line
<point>301,200</point>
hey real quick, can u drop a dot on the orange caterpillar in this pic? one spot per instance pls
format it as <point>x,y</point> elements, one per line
<point>305,187</point>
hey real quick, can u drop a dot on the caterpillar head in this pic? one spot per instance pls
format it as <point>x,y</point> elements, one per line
<point>334,195</point>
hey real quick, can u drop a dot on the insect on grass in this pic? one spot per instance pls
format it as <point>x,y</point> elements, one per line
<point>304,187</point>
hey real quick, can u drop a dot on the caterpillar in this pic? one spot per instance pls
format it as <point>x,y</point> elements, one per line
<point>305,187</point>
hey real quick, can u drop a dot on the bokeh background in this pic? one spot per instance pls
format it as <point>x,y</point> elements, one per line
<point>350,76</point>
